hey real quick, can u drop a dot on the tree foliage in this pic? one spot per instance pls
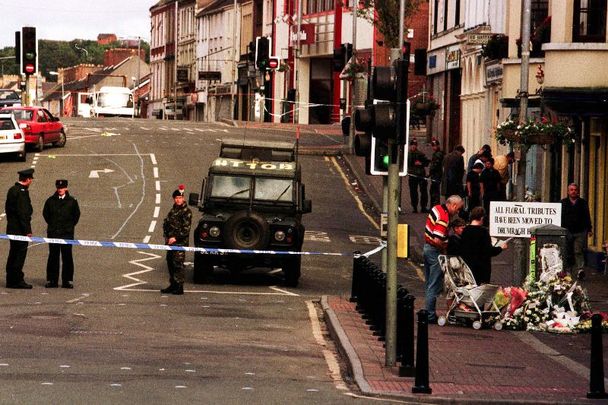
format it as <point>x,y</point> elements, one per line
<point>384,14</point>
<point>53,55</point>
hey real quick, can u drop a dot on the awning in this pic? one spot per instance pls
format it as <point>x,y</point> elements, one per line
<point>585,102</point>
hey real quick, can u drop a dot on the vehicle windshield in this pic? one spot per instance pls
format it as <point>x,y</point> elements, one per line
<point>273,189</point>
<point>25,115</point>
<point>232,187</point>
<point>8,95</point>
<point>6,124</point>
<point>113,100</point>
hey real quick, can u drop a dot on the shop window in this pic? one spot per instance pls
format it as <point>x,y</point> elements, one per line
<point>318,6</point>
<point>589,23</point>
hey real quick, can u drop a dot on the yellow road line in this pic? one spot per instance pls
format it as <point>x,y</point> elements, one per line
<point>352,193</point>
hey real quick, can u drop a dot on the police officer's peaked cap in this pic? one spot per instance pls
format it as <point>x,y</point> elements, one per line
<point>178,193</point>
<point>26,174</point>
<point>61,183</point>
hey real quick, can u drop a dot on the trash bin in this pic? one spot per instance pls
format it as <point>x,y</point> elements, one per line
<point>548,250</point>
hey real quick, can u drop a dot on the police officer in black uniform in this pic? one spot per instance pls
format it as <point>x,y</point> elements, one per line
<point>18,208</point>
<point>61,212</point>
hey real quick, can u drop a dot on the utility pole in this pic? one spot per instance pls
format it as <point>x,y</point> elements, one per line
<point>393,218</point>
<point>296,64</point>
<point>351,138</point>
<point>234,61</point>
<point>520,262</point>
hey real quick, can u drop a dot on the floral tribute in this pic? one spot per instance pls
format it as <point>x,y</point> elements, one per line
<point>553,304</point>
<point>534,131</point>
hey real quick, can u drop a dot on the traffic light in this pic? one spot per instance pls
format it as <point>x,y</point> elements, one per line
<point>29,50</point>
<point>262,52</point>
<point>251,52</point>
<point>379,159</point>
<point>18,47</point>
<point>341,56</point>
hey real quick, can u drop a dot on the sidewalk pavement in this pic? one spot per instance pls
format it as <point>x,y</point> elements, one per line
<point>466,365</point>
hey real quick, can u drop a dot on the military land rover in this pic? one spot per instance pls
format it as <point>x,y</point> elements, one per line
<point>252,199</point>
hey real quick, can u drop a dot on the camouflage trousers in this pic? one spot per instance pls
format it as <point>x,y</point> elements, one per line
<point>175,263</point>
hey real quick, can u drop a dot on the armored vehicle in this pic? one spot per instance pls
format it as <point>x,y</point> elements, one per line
<point>252,199</point>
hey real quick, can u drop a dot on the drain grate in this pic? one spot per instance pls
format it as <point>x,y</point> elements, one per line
<point>501,366</point>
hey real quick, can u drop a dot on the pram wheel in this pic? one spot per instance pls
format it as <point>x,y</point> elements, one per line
<point>477,325</point>
<point>441,321</point>
<point>498,325</point>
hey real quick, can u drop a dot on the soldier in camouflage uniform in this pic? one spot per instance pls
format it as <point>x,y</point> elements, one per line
<point>176,230</point>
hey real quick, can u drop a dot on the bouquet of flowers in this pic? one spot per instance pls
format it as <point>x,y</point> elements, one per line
<point>553,305</point>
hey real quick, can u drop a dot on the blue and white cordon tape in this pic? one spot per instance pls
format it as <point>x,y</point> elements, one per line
<point>150,246</point>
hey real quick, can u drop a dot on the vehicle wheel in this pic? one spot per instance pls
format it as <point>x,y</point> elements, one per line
<point>291,271</point>
<point>441,321</point>
<point>62,140</point>
<point>498,325</point>
<point>40,143</point>
<point>203,269</point>
<point>23,156</point>
<point>477,325</point>
<point>246,230</point>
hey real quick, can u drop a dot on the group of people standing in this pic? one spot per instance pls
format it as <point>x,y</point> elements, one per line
<point>484,179</point>
<point>61,213</point>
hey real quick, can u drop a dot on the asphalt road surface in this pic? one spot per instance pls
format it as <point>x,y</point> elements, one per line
<point>115,338</point>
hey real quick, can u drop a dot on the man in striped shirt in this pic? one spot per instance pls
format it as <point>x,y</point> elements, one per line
<point>435,243</point>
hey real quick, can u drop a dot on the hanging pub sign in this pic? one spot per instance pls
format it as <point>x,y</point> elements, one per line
<point>307,34</point>
<point>452,57</point>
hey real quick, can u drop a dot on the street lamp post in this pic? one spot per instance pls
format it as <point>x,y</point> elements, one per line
<point>52,73</point>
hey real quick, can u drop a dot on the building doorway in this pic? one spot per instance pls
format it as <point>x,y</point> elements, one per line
<point>320,91</point>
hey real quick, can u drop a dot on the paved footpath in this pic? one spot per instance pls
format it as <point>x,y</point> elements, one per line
<point>465,365</point>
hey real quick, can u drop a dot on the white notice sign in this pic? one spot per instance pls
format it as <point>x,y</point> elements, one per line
<point>514,219</point>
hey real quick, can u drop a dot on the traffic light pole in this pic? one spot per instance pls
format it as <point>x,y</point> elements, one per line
<point>393,213</point>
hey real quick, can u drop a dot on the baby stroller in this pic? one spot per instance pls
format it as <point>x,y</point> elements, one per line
<point>467,302</point>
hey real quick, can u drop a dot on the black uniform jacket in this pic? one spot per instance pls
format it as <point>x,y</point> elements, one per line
<point>18,208</point>
<point>61,215</point>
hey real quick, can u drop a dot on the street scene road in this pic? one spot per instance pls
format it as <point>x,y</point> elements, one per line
<point>115,337</point>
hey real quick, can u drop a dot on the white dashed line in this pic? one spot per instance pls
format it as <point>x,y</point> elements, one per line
<point>155,171</point>
<point>147,239</point>
<point>157,199</point>
<point>152,226</point>
<point>156,212</point>
<point>153,158</point>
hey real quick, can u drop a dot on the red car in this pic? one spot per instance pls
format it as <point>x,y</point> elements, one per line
<point>39,126</point>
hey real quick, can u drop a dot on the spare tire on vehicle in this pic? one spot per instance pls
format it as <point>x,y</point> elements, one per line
<point>246,230</point>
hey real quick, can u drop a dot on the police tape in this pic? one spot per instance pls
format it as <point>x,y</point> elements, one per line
<point>150,246</point>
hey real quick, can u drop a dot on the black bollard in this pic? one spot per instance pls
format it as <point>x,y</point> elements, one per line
<point>596,379</point>
<point>407,368</point>
<point>355,286</point>
<point>421,383</point>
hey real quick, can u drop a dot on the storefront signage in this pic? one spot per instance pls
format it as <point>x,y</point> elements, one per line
<point>182,75</point>
<point>307,34</point>
<point>452,57</point>
<point>493,73</point>
<point>479,38</point>
<point>514,219</point>
<point>209,75</point>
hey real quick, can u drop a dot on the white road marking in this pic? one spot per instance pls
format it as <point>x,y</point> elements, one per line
<point>83,296</point>
<point>146,269</point>
<point>157,185</point>
<point>155,171</point>
<point>94,174</point>
<point>153,158</point>
<point>330,358</point>
<point>147,239</point>
<point>157,199</point>
<point>152,226</point>
<point>156,212</point>
<point>275,288</point>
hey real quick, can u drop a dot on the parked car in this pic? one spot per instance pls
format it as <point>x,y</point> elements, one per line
<point>39,126</point>
<point>9,98</point>
<point>12,139</point>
